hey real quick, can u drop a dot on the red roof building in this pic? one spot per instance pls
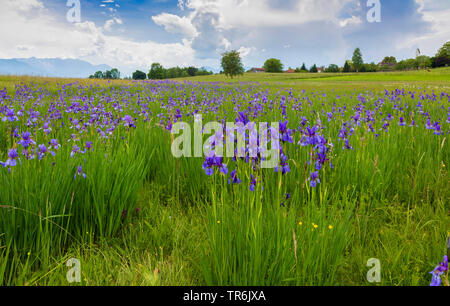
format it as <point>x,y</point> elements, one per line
<point>257,70</point>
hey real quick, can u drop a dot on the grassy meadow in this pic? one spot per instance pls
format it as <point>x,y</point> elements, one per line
<point>109,192</point>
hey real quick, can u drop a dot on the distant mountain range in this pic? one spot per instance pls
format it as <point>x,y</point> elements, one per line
<point>50,67</point>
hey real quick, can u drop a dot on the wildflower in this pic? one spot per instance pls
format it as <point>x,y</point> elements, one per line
<point>10,116</point>
<point>314,179</point>
<point>46,128</point>
<point>128,121</point>
<point>300,223</point>
<point>54,144</point>
<point>42,150</point>
<point>233,178</point>
<point>88,145</point>
<point>252,183</point>
<point>76,150</point>
<point>12,156</point>
<point>438,272</point>
<point>330,227</point>
<point>347,145</point>
<point>80,172</point>
<point>26,140</point>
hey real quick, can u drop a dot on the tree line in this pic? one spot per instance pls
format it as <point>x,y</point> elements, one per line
<point>157,72</point>
<point>232,64</point>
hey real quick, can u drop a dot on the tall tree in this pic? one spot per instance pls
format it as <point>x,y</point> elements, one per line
<point>98,75</point>
<point>313,69</point>
<point>115,74</point>
<point>273,65</point>
<point>444,50</point>
<point>442,57</point>
<point>157,72</point>
<point>139,75</point>
<point>333,68</point>
<point>357,59</point>
<point>192,71</point>
<point>232,63</point>
<point>303,67</point>
<point>347,67</point>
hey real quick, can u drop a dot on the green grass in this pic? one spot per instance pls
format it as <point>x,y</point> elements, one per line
<point>439,77</point>
<point>386,199</point>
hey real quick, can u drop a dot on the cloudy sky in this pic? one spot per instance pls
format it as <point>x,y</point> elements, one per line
<point>131,35</point>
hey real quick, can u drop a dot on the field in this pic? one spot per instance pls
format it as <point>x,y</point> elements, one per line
<point>88,173</point>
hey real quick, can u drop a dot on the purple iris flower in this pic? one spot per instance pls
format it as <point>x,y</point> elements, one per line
<point>438,272</point>
<point>42,149</point>
<point>46,128</point>
<point>76,150</point>
<point>314,179</point>
<point>54,143</point>
<point>347,145</point>
<point>80,172</point>
<point>233,178</point>
<point>10,116</point>
<point>128,121</point>
<point>12,156</point>
<point>252,183</point>
<point>26,140</point>
<point>88,145</point>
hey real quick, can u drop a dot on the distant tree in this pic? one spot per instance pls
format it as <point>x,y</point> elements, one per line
<point>389,60</point>
<point>424,62</point>
<point>408,64</point>
<point>273,65</point>
<point>333,68</point>
<point>313,69</point>
<point>98,75</point>
<point>357,59</point>
<point>372,67</point>
<point>232,63</point>
<point>303,67</point>
<point>442,57</point>
<point>192,71</point>
<point>203,71</point>
<point>347,67</point>
<point>444,51</point>
<point>139,75</point>
<point>440,61</point>
<point>114,74</point>
<point>107,75</point>
<point>157,72</point>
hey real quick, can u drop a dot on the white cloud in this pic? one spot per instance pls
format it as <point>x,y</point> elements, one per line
<point>259,13</point>
<point>348,21</point>
<point>437,14</point>
<point>175,24</point>
<point>38,34</point>
<point>245,51</point>
<point>110,22</point>
<point>181,4</point>
<point>26,5</point>
<point>214,26</point>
